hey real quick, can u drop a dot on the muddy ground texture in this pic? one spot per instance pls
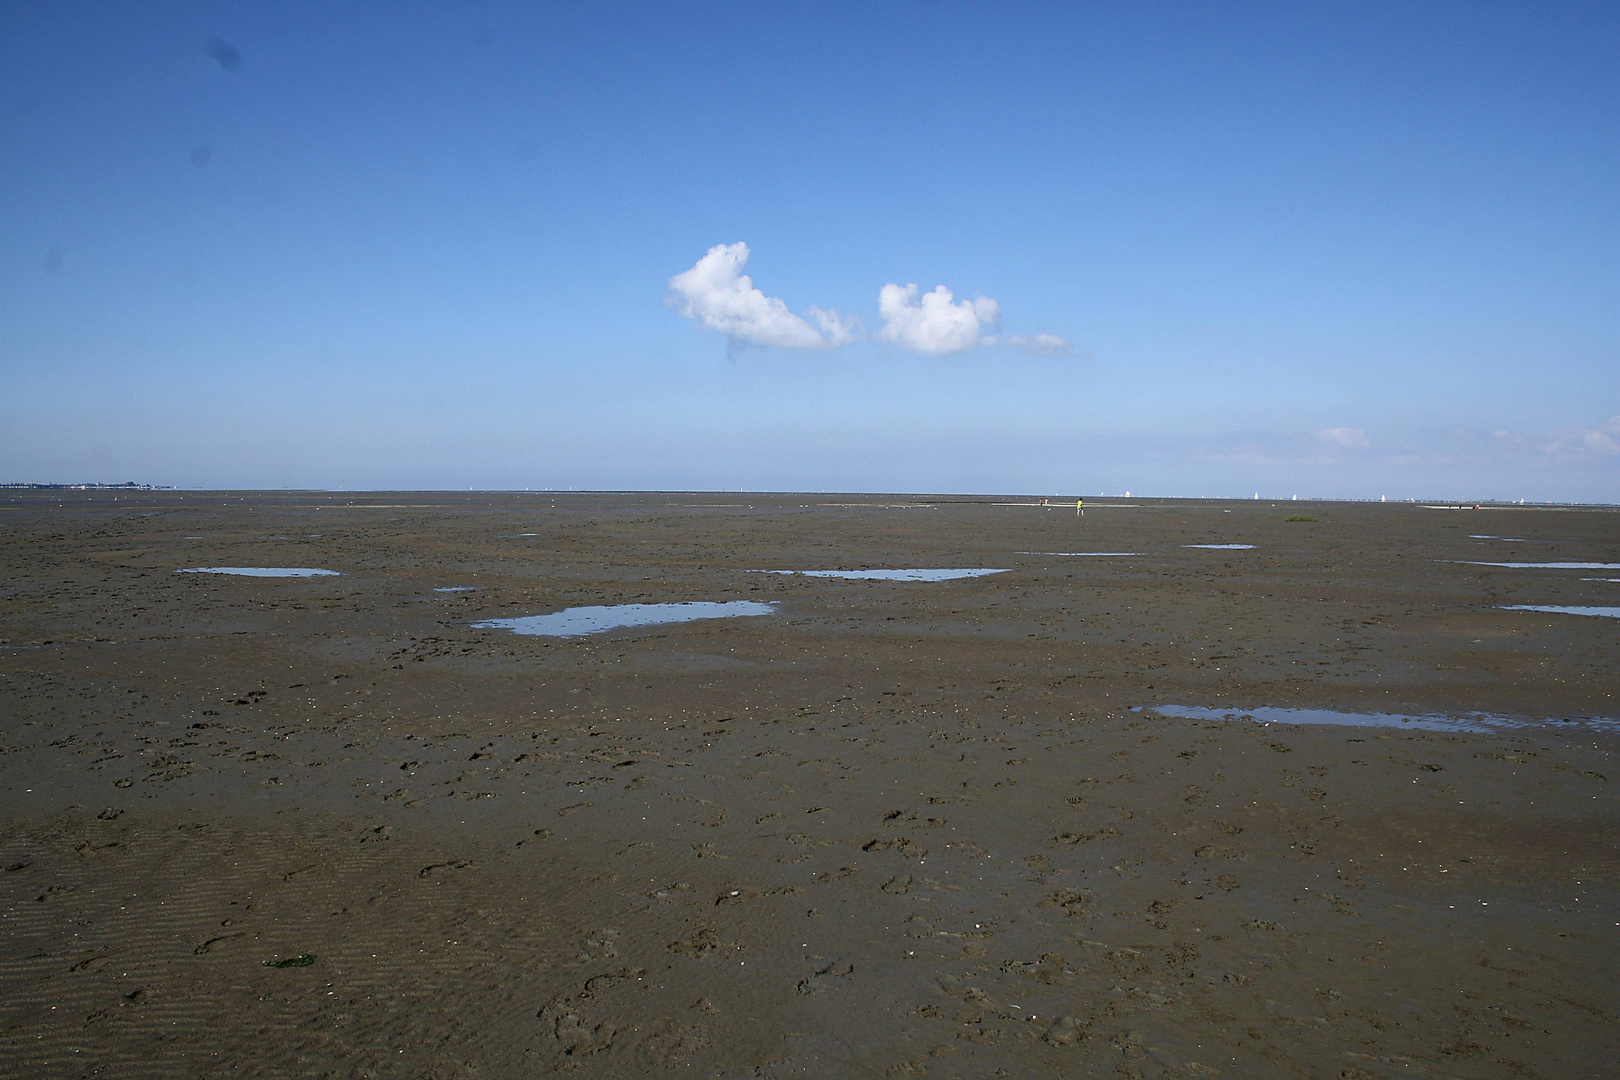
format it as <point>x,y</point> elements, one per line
<point>323,827</point>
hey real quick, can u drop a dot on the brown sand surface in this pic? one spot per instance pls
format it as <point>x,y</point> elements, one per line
<point>893,829</point>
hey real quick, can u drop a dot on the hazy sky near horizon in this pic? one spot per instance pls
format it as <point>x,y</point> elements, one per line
<point>1189,249</point>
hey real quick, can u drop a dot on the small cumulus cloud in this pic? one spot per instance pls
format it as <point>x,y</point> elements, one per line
<point>936,322</point>
<point>1348,437</point>
<point>1600,441</point>
<point>717,295</point>
<point>1605,439</point>
<point>1043,344</point>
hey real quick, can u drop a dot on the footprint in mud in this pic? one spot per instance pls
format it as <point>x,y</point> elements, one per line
<point>706,941</point>
<point>577,1037</point>
<point>1075,837</point>
<point>453,864</point>
<point>599,945</point>
<point>673,1044</point>
<point>665,892</point>
<point>571,1017</point>
<point>900,886</point>
<point>903,844</point>
<point>1217,851</point>
<point>207,946</point>
<point>1069,901</point>
<point>1048,969</point>
<point>1067,1031</point>
<point>822,978</point>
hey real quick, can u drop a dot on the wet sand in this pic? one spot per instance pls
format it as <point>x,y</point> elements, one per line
<point>895,829</point>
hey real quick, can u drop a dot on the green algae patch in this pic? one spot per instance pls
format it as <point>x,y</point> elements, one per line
<point>301,960</point>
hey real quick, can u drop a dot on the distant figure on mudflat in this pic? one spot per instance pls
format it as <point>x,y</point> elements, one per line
<point>1079,508</point>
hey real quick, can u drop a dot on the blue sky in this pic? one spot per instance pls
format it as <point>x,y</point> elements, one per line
<point>1336,250</point>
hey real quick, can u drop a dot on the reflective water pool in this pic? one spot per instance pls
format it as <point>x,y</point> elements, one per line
<point>1462,722</point>
<point>457,588</point>
<point>1547,565</point>
<point>578,621</point>
<point>1223,547</point>
<point>1091,554</point>
<point>261,571</point>
<point>1565,609</point>
<point>890,575</point>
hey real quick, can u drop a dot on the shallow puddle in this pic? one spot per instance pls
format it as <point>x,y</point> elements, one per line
<point>1547,565</point>
<point>890,575</point>
<point>578,621</point>
<point>1504,539</point>
<point>457,588</point>
<point>1565,609</point>
<point>1478,723</point>
<point>261,571</point>
<point>1223,547</point>
<point>1082,554</point>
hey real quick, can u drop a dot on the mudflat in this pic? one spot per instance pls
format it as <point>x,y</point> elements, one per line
<point>326,826</point>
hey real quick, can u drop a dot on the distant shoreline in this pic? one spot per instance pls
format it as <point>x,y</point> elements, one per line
<point>128,485</point>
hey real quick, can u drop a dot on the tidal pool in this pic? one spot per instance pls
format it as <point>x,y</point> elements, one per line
<point>1223,547</point>
<point>891,575</point>
<point>1547,565</point>
<point>579,621</point>
<point>261,571</point>
<point>1478,723</point>
<point>1091,554</point>
<point>457,588</point>
<point>1565,609</point>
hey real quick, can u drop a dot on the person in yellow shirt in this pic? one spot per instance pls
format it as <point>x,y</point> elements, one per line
<point>1079,508</point>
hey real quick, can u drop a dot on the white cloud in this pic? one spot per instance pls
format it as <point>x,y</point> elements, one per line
<point>935,323</point>
<point>1347,437</point>
<point>839,330</point>
<point>1603,440</point>
<point>1045,344</point>
<point>717,295</point>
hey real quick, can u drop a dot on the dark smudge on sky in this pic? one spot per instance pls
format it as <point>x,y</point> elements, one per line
<point>227,55</point>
